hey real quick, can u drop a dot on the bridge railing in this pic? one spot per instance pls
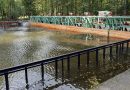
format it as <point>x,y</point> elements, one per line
<point>118,47</point>
<point>102,22</point>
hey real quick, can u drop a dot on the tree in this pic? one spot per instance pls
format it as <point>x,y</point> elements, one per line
<point>30,8</point>
<point>12,9</point>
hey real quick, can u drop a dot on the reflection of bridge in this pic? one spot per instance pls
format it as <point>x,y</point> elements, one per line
<point>6,24</point>
<point>103,22</point>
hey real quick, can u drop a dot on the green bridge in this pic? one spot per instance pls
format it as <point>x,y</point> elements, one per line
<point>101,22</point>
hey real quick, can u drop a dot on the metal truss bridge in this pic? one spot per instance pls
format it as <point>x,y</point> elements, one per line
<point>101,22</point>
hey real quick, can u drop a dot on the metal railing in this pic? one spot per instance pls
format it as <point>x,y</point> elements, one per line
<point>120,48</point>
<point>101,22</point>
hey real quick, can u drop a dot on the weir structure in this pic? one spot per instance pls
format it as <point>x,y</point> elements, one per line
<point>101,22</point>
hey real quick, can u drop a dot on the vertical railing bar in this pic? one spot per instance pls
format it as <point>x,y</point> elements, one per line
<point>110,52</point>
<point>56,69</point>
<point>117,51</point>
<point>104,53</point>
<point>6,81</point>
<point>88,53</point>
<point>62,70</point>
<point>26,77</point>
<point>78,60</point>
<point>123,48</point>
<point>42,72</point>
<point>68,63</point>
<point>127,47</point>
<point>97,57</point>
<point>120,49</point>
<point>68,66</point>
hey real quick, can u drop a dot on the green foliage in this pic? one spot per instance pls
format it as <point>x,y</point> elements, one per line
<point>30,8</point>
<point>12,9</point>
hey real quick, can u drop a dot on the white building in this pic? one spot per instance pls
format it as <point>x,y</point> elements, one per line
<point>104,13</point>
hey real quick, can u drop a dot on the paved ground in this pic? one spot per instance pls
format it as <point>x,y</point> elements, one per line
<point>119,82</point>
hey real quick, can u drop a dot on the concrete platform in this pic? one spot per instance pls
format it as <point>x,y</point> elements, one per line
<point>119,82</point>
<point>113,33</point>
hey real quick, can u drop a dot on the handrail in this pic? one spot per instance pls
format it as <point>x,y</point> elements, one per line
<point>53,59</point>
<point>119,46</point>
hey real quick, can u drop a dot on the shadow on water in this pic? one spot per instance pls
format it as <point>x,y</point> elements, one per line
<point>20,47</point>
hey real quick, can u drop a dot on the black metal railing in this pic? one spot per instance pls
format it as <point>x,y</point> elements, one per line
<point>119,47</point>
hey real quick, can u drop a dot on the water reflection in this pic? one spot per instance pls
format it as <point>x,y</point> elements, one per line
<point>20,47</point>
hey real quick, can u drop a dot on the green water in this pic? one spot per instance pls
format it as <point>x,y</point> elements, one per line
<point>24,46</point>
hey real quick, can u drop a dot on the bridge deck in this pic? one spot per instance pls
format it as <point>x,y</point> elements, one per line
<point>112,33</point>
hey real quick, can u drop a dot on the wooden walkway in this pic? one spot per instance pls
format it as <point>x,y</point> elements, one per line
<point>113,33</point>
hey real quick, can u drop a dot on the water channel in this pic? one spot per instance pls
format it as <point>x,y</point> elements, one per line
<point>21,45</point>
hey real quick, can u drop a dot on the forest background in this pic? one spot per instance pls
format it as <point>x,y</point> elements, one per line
<point>13,9</point>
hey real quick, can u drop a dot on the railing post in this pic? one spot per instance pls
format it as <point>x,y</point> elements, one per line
<point>88,53</point>
<point>110,52</point>
<point>117,51</point>
<point>97,53</point>
<point>6,81</point>
<point>42,72</point>
<point>62,61</point>
<point>127,48</point>
<point>104,53</point>
<point>68,63</point>
<point>68,66</point>
<point>122,48</point>
<point>78,60</point>
<point>26,77</point>
<point>56,69</point>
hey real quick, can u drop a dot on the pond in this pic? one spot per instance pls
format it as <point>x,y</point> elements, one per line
<point>19,46</point>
